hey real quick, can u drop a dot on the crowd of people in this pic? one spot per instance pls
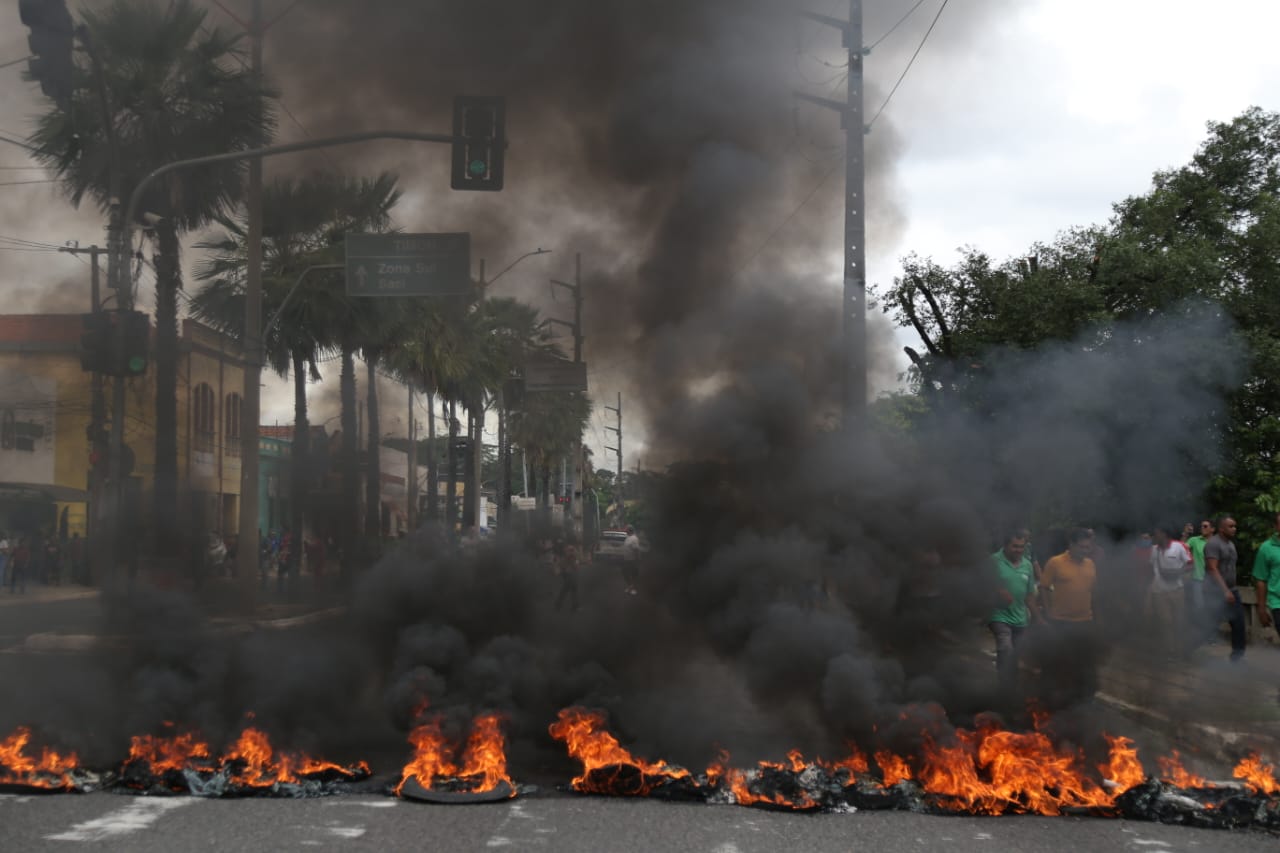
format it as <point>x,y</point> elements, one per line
<point>42,558</point>
<point>1179,584</point>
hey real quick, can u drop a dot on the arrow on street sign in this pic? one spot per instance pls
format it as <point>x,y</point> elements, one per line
<point>408,264</point>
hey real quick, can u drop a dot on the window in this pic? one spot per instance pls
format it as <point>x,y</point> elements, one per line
<point>231,412</point>
<point>18,435</point>
<point>203,417</point>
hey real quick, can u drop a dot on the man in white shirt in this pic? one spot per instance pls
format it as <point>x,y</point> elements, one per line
<point>1171,565</point>
<point>4,557</point>
<point>631,561</point>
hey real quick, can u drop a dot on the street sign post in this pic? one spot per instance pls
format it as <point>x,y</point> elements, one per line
<point>555,374</point>
<point>408,264</point>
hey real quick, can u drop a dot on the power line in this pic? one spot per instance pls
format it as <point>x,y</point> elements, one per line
<point>15,61</point>
<point>783,224</point>
<point>909,64</point>
<point>910,12</point>
<point>24,183</point>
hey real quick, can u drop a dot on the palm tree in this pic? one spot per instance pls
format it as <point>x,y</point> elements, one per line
<point>304,221</point>
<point>547,426</point>
<point>174,90</point>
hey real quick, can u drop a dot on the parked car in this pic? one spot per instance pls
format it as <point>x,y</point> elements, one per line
<point>611,546</point>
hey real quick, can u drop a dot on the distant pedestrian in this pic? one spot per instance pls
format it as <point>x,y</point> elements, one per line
<point>1193,587</point>
<point>1220,578</point>
<point>19,563</point>
<point>5,549</point>
<point>1067,585</point>
<point>631,562</point>
<point>1030,552</point>
<point>316,555</point>
<point>1016,605</point>
<point>566,566</point>
<point>1171,564</point>
<point>1266,578</point>
<point>52,567</point>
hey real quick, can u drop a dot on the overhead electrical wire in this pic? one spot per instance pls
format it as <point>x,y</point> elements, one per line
<point>901,20</point>
<point>909,64</point>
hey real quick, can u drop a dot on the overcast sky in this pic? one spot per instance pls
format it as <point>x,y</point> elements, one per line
<point>1034,117</point>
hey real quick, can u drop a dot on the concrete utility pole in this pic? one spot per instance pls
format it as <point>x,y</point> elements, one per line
<point>411,479</point>
<point>247,536</point>
<point>577,490</point>
<point>854,300</point>
<point>97,404</point>
<point>617,487</point>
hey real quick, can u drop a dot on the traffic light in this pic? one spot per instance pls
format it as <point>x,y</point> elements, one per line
<point>135,341</point>
<point>115,343</point>
<point>51,42</point>
<point>95,343</point>
<point>479,141</point>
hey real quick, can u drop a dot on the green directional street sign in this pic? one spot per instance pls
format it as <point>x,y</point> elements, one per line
<point>408,264</point>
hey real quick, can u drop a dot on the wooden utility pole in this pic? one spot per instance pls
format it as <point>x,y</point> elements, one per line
<point>411,479</point>
<point>854,298</point>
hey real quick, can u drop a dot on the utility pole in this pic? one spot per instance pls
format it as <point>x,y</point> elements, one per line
<point>617,487</point>
<point>577,490</point>
<point>411,479</point>
<point>247,538</point>
<point>854,300</point>
<point>96,431</point>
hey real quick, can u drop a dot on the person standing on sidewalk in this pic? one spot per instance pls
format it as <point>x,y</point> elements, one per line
<point>1194,586</point>
<point>1170,564</point>
<point>1266,578</point>
<point>1016,595</point>
<point>5,548</point>
<point>19,561</point>
<point>1067,584</point>
<point>1220,577</point>
<point>631,561</point>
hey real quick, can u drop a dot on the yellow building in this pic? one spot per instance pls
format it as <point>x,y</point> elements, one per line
<point>45,410</point>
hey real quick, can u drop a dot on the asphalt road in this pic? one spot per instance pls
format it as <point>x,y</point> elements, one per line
<point>21,616</point>
<point>556,822</point>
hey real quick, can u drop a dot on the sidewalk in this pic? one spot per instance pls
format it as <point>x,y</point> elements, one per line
<point>37,593</point>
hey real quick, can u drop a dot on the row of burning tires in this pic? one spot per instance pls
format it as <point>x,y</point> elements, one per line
<point>988,770</point>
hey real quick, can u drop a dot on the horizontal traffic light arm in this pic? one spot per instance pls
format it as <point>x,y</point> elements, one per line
<point>131,210</point>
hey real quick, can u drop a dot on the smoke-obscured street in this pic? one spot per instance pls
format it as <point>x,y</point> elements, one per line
<point>726,425</point>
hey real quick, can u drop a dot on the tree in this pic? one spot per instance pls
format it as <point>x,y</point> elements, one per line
<point>304,223</point>
<point>1202,244</point>
<point>174,90</point>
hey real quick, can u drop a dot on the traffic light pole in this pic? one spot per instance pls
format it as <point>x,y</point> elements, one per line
<point>247,554</point>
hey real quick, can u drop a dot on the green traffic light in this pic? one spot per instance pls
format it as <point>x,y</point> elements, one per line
<point>477,168</point>
<point>137,365</point>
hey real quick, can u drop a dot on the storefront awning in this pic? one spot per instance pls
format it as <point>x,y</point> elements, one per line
<point>42,492</point>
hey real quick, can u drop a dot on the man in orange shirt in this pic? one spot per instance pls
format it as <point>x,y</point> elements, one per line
<point>1067,585</point>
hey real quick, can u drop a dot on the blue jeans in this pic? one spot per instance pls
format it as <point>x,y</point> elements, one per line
<point>1234,614</point>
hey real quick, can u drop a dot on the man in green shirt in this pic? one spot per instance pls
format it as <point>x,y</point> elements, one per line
<point>1016,605</point>
<point>1266,578</point>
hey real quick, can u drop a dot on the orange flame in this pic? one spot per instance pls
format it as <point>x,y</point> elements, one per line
<point>167,753</point>
<point>584,733</point>
<point>1172,771</point>
<point>855,763</point>
<point>253,763</point>
<point>18,768</point>
<point>483,764</point>
<point>1257,774</point>
<point>1123,768</point>
<point>893,768</point>
<point>740,783</point>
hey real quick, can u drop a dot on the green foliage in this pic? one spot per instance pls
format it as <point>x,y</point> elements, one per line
<point>1204,239</point>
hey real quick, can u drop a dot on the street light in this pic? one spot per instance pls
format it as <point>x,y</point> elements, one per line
<point>538,251</point>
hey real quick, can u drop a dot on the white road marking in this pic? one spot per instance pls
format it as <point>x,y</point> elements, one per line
<point>368,804</point>
<point>1150,842</point>
<point>516,811</point>
<point>346,831</point>
<point>727,847</point>
<point>135,817</point>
